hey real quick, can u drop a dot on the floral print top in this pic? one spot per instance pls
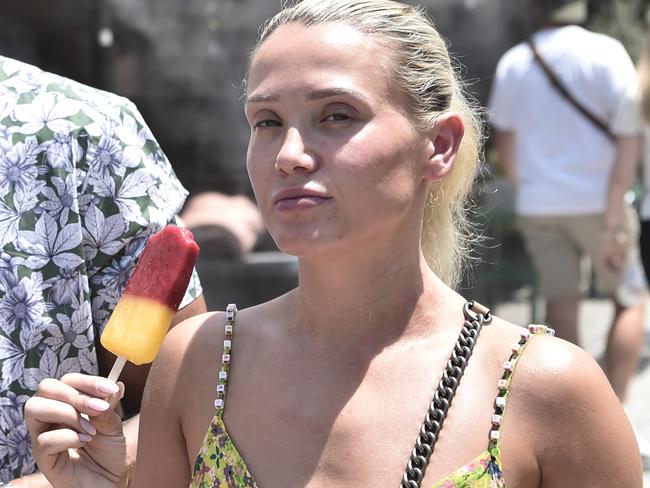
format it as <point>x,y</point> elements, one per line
<point>83,183</point>
<point>219,464</point>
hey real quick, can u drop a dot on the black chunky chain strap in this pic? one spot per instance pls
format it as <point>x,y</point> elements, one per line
<point>476,316</point>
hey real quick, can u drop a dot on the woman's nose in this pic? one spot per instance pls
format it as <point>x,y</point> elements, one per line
<point>294,154</point>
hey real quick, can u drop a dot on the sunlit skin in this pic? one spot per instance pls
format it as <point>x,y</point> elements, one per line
<point>330,382</point>
<point>319,128</point>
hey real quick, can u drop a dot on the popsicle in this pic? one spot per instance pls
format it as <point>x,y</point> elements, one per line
<point>137,327</point>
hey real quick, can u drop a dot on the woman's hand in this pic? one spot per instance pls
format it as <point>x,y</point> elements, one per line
<point>73,451</point>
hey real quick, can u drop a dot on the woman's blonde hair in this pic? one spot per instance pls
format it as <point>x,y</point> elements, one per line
<point>423,69</point>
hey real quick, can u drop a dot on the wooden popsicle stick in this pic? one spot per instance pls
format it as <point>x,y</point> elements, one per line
<point>117,369</point>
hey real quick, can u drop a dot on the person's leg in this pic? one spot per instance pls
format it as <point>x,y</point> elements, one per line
<point>625,339</point>
<point>557,261</point>
<point>624,346</point>
<point>562,314</point>
<point>626,286</point>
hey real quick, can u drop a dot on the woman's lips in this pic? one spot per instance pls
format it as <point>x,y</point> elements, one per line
<point>301,197</point>
<point>301,202</point>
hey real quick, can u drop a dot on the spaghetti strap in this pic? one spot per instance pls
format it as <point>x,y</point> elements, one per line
<point>222,386</point>
<point>504,383</point>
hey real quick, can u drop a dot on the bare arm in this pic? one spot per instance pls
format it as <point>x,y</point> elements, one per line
<point>628,154</point>
<point>581,434</point>
<point>33,481</point>
<point>175,376</point>
<point>505,146</point>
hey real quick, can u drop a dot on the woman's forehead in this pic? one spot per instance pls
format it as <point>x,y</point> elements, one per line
<point>336,49</point>
<point>326,38</point>
<point>334,33</point>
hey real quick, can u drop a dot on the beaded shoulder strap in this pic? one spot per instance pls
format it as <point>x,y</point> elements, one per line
<point>222,386</point>
<point>476,315</point>
<point>503,385</point>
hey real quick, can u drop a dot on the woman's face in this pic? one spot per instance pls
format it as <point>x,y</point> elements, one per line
<point>331,156</point>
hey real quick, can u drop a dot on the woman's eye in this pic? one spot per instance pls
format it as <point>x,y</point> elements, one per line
<point>337,117</point>
<point>263,124</point>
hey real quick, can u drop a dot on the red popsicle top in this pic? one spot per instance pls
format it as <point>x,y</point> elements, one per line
<point>165,267</point>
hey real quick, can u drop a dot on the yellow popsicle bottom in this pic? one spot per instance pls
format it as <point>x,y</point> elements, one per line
<point>137,328</point>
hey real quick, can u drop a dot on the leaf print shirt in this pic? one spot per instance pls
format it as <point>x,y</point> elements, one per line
<point>83,183</point>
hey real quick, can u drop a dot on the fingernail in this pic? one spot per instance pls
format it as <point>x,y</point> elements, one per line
<point>98,404</point>
<point>87,426</point>
<point>85,437</point>
<point>106,386</point>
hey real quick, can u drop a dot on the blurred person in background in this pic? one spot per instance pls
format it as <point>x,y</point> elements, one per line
<point>223,234</point>
<point>83,184</point>
<point>635,115</point>
<point>554,116</point>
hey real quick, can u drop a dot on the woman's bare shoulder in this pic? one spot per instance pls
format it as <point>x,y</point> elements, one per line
<point>201,336</point>
<point>193,335</point>
<point>187,346</point>
<point>190,358</point>
<point>556,373</point>
<point>571,415</point>
<point>551,371</point>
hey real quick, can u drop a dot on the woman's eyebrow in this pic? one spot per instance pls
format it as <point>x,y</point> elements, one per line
<point>315,95</point>
<point>262,98</point>
<point>332,92</point>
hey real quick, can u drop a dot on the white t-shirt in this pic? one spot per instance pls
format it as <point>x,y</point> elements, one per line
<point>563,161</point>
<point>628,120</point>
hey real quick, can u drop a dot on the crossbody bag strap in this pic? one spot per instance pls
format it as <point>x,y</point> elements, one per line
<point>476,316</point>
<point>555,81</point>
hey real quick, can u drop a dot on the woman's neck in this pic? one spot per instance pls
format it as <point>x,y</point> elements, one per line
<point>368,301</point>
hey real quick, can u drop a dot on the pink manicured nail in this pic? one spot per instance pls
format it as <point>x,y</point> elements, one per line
<point>87,426</point>
<point>85,437</point>
<point>106,386</point>
<point>98,404</point>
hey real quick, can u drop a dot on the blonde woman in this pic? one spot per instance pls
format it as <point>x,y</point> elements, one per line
<point>362,153</point>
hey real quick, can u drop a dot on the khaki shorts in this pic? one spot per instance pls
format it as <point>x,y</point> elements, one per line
<point>557,245</point>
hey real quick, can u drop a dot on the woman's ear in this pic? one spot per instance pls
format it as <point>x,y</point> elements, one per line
<point>444,140</point>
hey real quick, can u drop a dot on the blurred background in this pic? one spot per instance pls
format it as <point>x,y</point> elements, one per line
<point>182,63</point>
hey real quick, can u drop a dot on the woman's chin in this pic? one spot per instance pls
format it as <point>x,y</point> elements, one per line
<point>296,249</point>
<point>301,246</point>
